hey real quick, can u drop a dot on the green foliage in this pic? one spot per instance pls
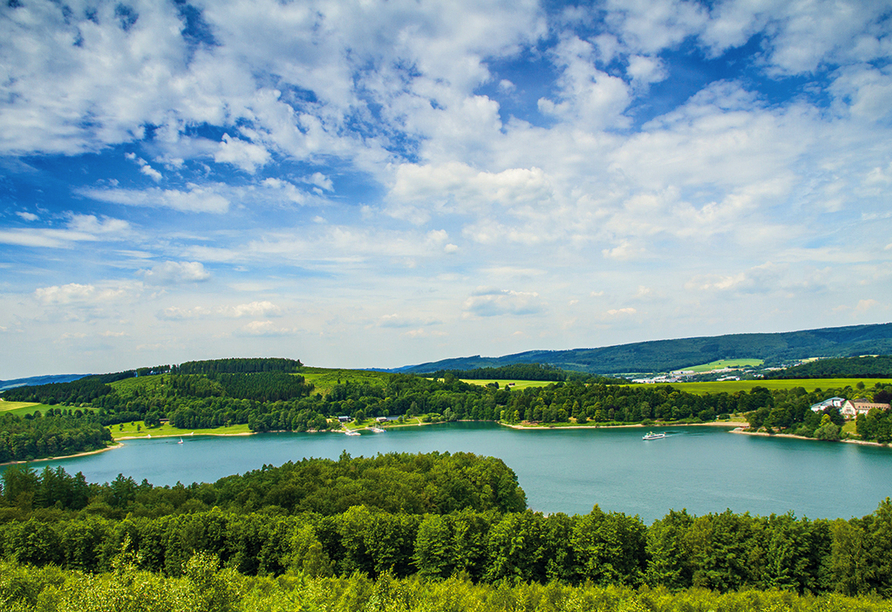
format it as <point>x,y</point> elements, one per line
<point>849,367</point>
<point>58,432</point>
<point>238,365</point>
<point>206,588</point>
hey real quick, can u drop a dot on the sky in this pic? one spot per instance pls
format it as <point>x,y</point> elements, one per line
<point>362,183</point>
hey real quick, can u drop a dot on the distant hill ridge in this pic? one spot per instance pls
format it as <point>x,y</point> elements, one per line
<point>668,355</point>
<point>39,380</point>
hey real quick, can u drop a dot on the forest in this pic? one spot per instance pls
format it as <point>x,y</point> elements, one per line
<point>849,367</point>
<point>465,524</point>
<point>59,432</point>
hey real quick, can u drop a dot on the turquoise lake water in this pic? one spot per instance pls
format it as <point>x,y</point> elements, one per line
<point>702,469</point>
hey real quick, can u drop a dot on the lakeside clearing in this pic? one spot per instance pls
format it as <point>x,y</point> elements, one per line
<point>136,430</point>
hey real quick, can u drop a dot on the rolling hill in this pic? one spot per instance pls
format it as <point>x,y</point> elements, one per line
<point>667,355</point>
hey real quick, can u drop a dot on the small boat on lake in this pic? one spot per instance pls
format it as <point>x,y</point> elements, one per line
<point>181,441</point>
<point>353,432</point>
<point>376,429</point>
<point>653,436</point>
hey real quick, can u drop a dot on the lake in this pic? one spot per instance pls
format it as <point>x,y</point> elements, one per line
<point>702,469</point>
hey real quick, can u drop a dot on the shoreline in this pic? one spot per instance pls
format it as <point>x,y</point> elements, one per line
<point>765,434</point>
<point>177,435</point>
<point>83,454</point>
<point>733,424</point>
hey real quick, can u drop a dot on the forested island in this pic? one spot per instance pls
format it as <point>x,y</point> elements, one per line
<point>372,533</point>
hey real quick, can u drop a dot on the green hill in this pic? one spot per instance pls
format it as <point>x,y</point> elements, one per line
<point>667,355</point>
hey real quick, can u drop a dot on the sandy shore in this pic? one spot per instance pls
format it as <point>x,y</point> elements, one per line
<point>95,452</point>
<point>737,424</point>
<point>181,435</point>
<point>765,434</point>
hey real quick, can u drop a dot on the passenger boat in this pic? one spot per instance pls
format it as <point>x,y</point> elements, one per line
<point>653,436</point>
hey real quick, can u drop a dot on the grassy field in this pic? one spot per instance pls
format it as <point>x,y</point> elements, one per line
<point>324,379</point>
<point>809,384</point>
<point>23,408</point>
<point>138,429</point>
<point>724,363</point>
<point>516,384</point>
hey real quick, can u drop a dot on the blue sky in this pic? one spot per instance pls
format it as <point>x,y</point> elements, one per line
<point>375,184</point>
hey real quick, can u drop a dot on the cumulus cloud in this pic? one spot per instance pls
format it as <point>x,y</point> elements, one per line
<point>245,155</point>
<point>173,272</point>
<point>265,328</point>
<point>458,188</point>
<point>27,216</point>
<point>495,302</point>
<point>88,294</point>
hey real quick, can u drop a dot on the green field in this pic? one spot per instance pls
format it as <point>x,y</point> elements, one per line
<point>809,384</point>
<point>23,408</point>
<point>324,379</point>
<point>515,384</point>
<point>724,363</point>
<point>129,430</point>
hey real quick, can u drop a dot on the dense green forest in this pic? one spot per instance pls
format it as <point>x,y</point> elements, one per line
<point>850,367</point>
<point>59,432</point>
<point>467,524</point>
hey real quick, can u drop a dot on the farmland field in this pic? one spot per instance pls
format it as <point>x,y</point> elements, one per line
<point>724,363</point>
<point>23,408</point>
<point>809,384</point>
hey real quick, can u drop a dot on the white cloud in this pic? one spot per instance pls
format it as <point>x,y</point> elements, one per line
<point>198,198</point>
<point>646,70</point>
<point>494,302</point>
<point>87,294</point>
<point>265,328</point>
<point>27,216</point>
<point>621,312</point>
<point>458,188</point>
<point>80,228</point>
<point>72,292</point>
<point>245,155</point>
<point>589,98</point>
<point>262,308</point>
<point>172,272</point>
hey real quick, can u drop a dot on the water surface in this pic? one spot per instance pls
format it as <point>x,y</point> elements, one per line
<point>702,469</point>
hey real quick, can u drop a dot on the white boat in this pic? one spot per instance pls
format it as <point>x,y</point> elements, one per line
<point>376,429</point>
<point>353,432</point>
<point>653,436</point>
<point>181,441</point>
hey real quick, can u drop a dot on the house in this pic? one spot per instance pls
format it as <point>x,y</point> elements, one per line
<point>344,419</point>
<point>830,402</point>
<point>861,405</point>
<point>381,420</point>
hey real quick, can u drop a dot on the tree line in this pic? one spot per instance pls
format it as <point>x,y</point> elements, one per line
<point>843,367</point>
<point>447,536</point>
<point>58,433</point>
